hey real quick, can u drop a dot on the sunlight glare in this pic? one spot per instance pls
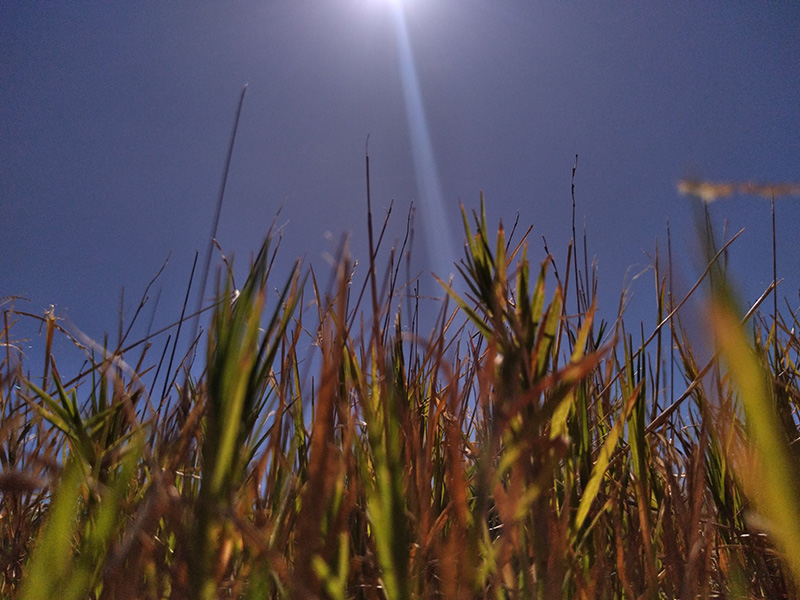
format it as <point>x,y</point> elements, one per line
<point>439,239</point>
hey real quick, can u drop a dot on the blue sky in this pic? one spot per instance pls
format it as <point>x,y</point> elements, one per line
<point>115,120</point>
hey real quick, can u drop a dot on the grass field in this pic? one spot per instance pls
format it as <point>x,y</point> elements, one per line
<point>516,450</point>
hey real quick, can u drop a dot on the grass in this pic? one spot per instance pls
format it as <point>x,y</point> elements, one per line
<point>516,451</point>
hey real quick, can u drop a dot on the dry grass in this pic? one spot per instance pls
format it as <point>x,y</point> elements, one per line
<point>517,451</point>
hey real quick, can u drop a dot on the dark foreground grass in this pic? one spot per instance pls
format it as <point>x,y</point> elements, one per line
<point>515,451</point>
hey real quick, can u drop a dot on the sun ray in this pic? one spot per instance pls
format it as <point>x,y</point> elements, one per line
<point>439,238</point>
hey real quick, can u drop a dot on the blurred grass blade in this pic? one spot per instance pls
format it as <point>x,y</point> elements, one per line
<point>773,484</point>
<point>51,570</point>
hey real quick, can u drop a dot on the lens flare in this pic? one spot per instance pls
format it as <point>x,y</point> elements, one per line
<point>438,237</point>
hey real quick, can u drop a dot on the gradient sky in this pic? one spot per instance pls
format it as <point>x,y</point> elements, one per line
<point>115,120</point>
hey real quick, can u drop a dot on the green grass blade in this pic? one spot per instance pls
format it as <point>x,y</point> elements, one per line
<point>601,464</point>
